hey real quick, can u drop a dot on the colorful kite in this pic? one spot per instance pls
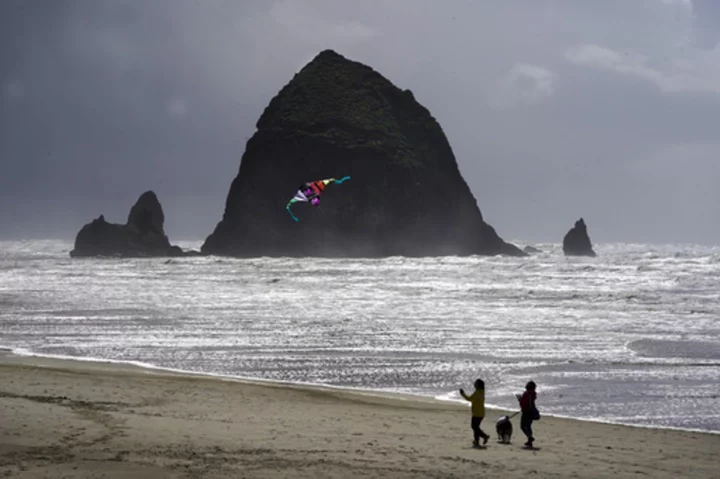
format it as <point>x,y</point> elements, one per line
<point>310,193</point>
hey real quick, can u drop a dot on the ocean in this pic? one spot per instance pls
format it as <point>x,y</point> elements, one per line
<point>631,337</point>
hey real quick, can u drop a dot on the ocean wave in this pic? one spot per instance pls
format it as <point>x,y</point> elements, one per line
<point>638,319</point>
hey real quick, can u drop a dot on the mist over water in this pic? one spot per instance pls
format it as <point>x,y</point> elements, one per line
<point>632,336</point>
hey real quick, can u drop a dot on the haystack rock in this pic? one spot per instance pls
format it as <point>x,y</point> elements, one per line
<point>337,118</point>
<point>143,234</point>
<point>577,242</point>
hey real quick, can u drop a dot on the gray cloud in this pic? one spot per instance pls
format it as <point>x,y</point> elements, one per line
<point>555,109</point>
<point>523,84</point>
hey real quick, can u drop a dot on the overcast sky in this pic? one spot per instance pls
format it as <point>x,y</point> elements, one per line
<point>609,110</point>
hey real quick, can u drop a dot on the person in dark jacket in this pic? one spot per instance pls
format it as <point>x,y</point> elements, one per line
<point>528,411</point>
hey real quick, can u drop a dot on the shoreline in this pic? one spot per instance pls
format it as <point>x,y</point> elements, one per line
<point>6,355</point>
<point>82,419</point>
<point>140,366</point>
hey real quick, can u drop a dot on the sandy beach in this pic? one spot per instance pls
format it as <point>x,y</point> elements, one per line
<point>68,419</point>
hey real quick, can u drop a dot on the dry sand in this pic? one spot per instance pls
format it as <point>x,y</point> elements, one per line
<point>68,419</point>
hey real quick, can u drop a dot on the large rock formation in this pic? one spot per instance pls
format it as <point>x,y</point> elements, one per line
<point>577,242</point>
<point>335,118</point>
<point>142,235</point>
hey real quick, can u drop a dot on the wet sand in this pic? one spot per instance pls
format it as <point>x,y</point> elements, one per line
<point>78,419</point>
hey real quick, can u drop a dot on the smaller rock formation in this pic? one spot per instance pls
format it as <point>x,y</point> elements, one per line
<point>531,250</point>
<point>577,242</point>
<point>142,236</point>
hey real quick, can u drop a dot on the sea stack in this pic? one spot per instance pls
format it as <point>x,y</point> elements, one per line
<point>577,242</point>
<point>338,118</point>
<point>141,236</point>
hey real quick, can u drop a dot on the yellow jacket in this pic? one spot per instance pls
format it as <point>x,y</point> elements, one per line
<point>478,402</point>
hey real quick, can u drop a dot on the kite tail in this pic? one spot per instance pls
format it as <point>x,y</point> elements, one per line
<point>344,178</point>
<point>293,216</point>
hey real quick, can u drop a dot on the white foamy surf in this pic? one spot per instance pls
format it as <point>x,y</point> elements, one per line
<point>632,336</point>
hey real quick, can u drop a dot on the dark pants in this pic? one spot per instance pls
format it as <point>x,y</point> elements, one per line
<point>526,425</point>
<point>475,425</point>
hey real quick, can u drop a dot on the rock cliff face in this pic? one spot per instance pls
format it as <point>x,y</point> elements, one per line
<point>337,117</point>
<point>142,235</point>
<point>577,242</point>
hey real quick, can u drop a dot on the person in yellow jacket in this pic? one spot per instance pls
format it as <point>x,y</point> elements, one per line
<point>478,411</point>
